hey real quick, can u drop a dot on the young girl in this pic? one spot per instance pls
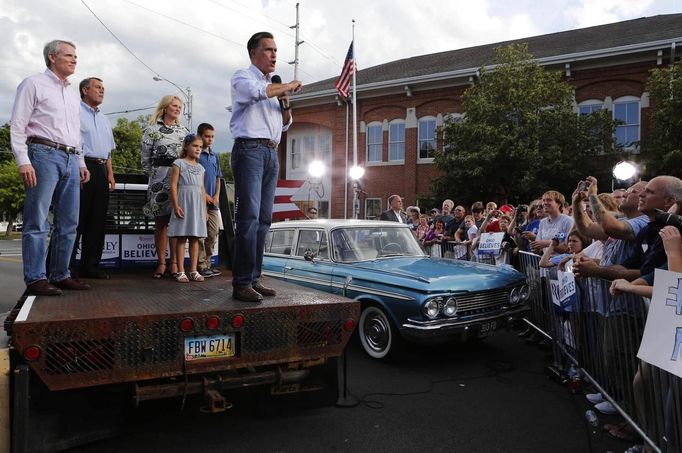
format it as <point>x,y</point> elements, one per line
<point>188,221</point>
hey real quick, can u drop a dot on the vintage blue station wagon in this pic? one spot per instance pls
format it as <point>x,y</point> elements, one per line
<point>405,294</point>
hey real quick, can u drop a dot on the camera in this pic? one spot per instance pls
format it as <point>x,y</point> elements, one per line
<point>556,239</point>
<point>582,186</point>
<point>663,218</point>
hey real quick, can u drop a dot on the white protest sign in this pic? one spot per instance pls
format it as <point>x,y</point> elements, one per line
<point>489,243</point>
<point>662,341</point>
<point>566,286</point>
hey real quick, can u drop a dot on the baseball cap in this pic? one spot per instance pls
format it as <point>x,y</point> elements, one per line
<point>506,208</point>
<point>434,210</point>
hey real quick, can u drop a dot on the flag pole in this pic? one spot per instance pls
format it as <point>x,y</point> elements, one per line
<point>355,106</point>
<point>345,195</point>
<point>356,201</point>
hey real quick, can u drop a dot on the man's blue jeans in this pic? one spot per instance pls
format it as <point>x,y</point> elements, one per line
<point>58,185</point>
<point>255,169</point>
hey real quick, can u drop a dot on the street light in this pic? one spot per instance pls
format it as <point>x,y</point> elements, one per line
<point>356,172</point>
<point>187,93</point>
<point>316,169</point>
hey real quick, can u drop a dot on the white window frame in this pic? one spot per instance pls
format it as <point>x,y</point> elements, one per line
<point>593,104</point>
<point>369,144</point>
<point>422,120</point>
<point>627,100</point>
<point>378,202</point>
<point>396,141</point>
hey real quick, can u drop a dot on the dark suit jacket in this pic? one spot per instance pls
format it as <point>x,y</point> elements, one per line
<point>391,216</point>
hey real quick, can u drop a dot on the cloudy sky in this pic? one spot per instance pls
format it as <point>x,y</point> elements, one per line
<point>199,44</point>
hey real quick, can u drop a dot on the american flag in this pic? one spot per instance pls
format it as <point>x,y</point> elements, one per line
<point>343,82</point>
<point>284,208</point>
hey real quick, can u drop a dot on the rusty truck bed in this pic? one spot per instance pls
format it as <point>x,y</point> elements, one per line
<point>127,329</point>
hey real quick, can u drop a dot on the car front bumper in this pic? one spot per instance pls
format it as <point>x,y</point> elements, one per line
<point>476,326</point>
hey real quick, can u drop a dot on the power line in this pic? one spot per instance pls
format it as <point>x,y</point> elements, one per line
<point>117,39</point>
<point>194,27</point>
<point>132,110</point>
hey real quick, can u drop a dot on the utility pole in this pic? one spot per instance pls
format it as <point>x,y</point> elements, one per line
<point>296,44</point>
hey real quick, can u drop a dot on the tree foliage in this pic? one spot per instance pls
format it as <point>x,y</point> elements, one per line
<point>128,136</point>
<point>5,144</point>
<point>663,145</point>
<point>11,191</point>
<point>520,135</point>
<point>225,166</point>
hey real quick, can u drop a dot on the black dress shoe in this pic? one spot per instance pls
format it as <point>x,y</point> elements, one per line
<point>97,274</point>
<point>43,288</point>
<point>264,290</point>
<point>71,284</point>
<point>246,294</point>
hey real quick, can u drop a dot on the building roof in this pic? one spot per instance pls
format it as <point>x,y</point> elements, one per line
<point>620,35</point>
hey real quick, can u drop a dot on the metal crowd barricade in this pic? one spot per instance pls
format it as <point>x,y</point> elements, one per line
<point>601,335</point>
<point>457,250</point>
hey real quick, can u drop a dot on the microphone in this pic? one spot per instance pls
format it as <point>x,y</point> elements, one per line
<point>277,79</point>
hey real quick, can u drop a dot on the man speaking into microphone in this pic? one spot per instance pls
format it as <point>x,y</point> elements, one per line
<point>260,113</point>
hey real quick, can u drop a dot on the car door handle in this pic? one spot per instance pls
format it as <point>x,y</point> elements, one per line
<point>288,268</point>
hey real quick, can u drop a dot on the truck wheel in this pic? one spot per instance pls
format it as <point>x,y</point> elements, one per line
<point>377,335</point>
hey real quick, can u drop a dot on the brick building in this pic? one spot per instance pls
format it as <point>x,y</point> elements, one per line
<point>401,103</point>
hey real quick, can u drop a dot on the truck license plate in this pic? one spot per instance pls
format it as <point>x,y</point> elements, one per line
<point>209,347</point>
<point>487,329</point>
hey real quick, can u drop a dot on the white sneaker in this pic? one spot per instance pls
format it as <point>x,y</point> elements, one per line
<point>594,398</point>
<point>606,408</point>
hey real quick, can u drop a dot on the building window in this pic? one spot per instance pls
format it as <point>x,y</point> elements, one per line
<point>372,208</point>
<point>427,138</point>
<point>626,110</point>
<point>307,148</point>
<point>589,107</point>
<point>396,141</point>
<point>374,142</point>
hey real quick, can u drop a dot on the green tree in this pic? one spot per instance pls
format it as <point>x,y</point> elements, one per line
<point>520,136</point>
<point>225,166</point>
<point>11,192</point>
<point>663,146</point>
<point>5,144</point>
<point>128,136</point>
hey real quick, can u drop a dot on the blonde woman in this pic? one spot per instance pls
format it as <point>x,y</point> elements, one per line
<point>161,145</point>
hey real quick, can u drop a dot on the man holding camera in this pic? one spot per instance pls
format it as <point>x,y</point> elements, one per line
<point>647,253</point>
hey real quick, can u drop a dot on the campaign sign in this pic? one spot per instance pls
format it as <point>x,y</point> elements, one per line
<point>566,286</point>
<point>490,243</point>
<point>139,250</point>
<point>110,251</point>
<point>662,340</point>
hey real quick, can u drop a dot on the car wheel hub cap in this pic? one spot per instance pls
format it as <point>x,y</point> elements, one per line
<point>377,334</point>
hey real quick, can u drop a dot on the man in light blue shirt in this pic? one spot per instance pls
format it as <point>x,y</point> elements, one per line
<point>98,142</point>
<point>260,113</point>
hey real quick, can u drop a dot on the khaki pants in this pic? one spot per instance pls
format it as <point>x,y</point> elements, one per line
<point>206,245</point>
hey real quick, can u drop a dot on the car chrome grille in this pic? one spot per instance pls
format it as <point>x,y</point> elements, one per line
<point>484,302</point>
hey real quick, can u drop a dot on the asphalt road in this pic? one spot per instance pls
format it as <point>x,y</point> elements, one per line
<point>488,396</point>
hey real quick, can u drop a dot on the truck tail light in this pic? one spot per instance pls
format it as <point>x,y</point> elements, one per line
<point>238,321</point>
<point>187,324</point>
<point>349,325</point>
<point>32,353</point>
<point>212,322</point>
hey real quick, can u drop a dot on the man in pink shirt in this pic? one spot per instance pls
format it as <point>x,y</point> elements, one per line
<point>45,137</point>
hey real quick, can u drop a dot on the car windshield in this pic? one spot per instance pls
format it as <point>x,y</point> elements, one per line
<point>369,243</point>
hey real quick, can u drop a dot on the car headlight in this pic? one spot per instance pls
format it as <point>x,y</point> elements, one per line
<point>432,307</point>
<point>514,296</point>
<point>450,307</point>
<point>524,293</point>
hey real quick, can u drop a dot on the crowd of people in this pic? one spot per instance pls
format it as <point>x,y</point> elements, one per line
<point>621,236</point>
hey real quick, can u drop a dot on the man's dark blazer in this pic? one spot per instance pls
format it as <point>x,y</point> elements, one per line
<point>391,216</point>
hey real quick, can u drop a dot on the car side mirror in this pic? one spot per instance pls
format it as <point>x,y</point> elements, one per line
<point>309,255</point>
